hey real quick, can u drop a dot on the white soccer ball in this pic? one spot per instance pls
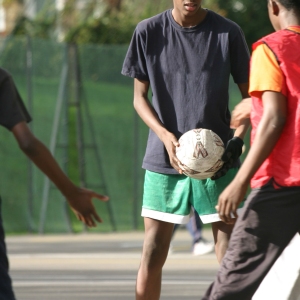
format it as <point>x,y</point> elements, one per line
<point>200,153</point>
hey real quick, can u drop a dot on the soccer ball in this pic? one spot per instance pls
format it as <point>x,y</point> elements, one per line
<point>200,153</point>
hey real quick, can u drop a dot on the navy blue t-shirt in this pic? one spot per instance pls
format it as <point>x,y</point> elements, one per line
<point>188,70</point>
<point>12,108</point>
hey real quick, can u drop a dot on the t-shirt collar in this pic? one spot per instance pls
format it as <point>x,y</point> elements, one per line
<point>188,29</point>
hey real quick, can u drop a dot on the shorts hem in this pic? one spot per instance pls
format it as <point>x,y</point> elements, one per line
<point>166,217</point>
<point>211,218</point>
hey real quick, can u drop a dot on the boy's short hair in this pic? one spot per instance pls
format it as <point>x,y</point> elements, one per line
<point>291,4</point>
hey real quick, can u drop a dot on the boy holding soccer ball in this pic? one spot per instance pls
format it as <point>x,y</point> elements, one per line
<point>186,55</point>
<point>270,218</point>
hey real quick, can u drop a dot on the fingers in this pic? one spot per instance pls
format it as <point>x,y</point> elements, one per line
<point>97,217</point>
<point>240,112</point>
<point>176,143</point>
<point>90,222</point>
<point>176,163</point>
<point>226,155</point>
<point>236,119</point>
<point>100,197</point>
<point>223,170</point>
<point>227,213</point>
<point>89,219</point>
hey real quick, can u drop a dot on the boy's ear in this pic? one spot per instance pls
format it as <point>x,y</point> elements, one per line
<point>275,8</point>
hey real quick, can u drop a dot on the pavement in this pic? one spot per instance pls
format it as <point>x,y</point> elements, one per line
<point>102,266</point>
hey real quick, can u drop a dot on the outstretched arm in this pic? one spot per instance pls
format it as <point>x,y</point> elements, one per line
<point>268,133</point>
<point>79,199</point>
<point>147,113</point>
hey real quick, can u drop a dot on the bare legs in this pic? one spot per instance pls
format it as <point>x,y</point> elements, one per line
<point>221,233</point>
<point>157,240</point>
<point>155,251</point>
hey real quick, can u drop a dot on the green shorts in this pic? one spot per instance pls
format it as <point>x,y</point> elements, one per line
<point>170,198</point>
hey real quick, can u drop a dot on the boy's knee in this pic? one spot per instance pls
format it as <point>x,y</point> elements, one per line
<point>154,254</point>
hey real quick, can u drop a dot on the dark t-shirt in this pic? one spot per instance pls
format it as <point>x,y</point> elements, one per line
<point>188,70</point>
<point>12,108</point>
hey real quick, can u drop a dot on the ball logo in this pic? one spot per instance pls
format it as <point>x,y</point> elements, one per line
<point>199,148</point>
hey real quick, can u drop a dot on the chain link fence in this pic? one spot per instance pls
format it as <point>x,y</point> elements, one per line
<point>82,111</point>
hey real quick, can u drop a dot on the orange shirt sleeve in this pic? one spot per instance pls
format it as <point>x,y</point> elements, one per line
<point>265,72</point>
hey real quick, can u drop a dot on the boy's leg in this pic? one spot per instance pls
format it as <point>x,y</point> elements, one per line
<point>206,194</point>
<point>165,203</point>
<point>269,221</point>
<point>157,239</point>
<point>221,232</point>
<point>200,245</point>
<point>6,291</point>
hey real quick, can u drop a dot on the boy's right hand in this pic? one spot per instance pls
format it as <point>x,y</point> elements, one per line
<point>171,142</point>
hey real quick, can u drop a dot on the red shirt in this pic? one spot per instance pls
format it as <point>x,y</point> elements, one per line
<point>275,66</point>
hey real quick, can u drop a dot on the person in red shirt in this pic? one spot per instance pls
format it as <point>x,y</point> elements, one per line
<point>270,218</point>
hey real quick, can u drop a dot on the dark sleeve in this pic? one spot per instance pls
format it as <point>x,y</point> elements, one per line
<point>135,65</point>
<point>12,108</point>
<point>239,56</point>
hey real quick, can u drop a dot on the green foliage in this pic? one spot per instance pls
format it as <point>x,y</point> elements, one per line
<point>251,15</point>
<point>41,27</point>
<point>94,23</point>
<point>110,24</point>
<point>113,29</point>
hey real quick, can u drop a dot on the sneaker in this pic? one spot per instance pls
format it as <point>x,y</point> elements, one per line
<point>203,247</point>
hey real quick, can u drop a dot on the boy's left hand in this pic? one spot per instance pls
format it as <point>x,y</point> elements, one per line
<point>233,150</point>
<point>229,201</point>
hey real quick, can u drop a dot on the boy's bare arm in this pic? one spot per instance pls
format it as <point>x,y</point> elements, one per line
<point>244,124</point>
<point>241,112</point>
<point>79,199</point>
<point>268,133</point>
<point>234,146</point>
<point>147,113</point>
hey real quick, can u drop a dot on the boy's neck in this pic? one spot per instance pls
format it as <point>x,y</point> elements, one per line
<point>289,19</point>
<point>189,21</point>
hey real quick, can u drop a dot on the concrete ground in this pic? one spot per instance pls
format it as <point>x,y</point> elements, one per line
<point>102,266</point>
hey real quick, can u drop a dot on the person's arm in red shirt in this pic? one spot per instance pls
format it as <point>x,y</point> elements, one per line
<point>268,133</point>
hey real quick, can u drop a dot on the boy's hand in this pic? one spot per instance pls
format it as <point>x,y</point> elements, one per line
<point>80,201</point>
<point>233,150</point>
<point>229,201</point>
<point>171,142</point>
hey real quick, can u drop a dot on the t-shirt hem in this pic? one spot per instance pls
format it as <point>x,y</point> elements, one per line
<point>156,169</point>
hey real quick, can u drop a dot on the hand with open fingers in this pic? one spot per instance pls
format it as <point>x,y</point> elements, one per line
<point>229,201</point>
<point>171,142</point>
<point>233,150</point>
<point>80,201</point>
<point>241,112</point>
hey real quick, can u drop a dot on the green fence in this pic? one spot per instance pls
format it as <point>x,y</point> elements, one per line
<point>82,110</point>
